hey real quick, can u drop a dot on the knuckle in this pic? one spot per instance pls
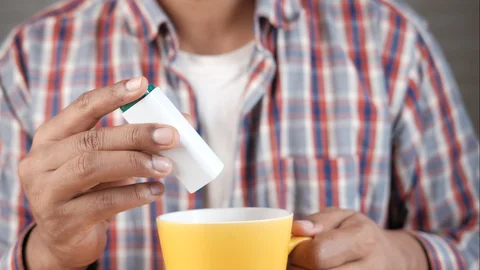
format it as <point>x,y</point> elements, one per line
<point>83,165</point>
<point>24,168</point>
<point>136,161</point>
<point>83,101</point>
<point>369,239</point>
<point>366,239</point>
<point>138,194</point>
<point>91,140</point>
<point>133,136</point>
<point>38,135</point>
<point>115,89</point>
<point>359,217</point>
<point>357,249</point>
<point>25,172</point>
<point>104,200</point>
<point>332,209</point>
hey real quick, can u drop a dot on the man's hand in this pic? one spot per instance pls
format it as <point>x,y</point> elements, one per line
<point>347,240</point>
<point>76,177</point>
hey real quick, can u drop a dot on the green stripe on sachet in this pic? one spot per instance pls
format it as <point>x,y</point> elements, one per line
<point>125,107</point>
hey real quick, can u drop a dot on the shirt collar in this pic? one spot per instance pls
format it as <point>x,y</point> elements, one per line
<point>145,17</point>
<point>280,13</point>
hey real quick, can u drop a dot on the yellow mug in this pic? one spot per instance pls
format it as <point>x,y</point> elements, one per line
<point>227,239</point>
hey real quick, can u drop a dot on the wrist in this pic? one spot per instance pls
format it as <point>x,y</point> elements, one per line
<point>37,255</point>
<point>406,251</point>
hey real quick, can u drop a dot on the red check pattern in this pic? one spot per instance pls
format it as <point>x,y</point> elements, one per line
<point>350,104</point>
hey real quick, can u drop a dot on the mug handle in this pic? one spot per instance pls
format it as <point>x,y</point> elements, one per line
<point>294,241</point>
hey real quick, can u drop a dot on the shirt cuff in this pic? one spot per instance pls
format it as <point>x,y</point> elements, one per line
<point>16,257</point>
<point>442,252</point>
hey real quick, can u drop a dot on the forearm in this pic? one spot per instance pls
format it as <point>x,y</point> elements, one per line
<point>412,255</point>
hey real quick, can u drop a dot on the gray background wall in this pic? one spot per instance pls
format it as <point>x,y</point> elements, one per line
<point>455,23</point>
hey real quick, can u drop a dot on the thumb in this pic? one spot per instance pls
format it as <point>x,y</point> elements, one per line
<point>306,228</point>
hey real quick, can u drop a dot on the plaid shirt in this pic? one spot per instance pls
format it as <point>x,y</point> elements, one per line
<point>350,104</point>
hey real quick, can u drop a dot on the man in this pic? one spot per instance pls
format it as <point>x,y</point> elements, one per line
<point>343,112</point>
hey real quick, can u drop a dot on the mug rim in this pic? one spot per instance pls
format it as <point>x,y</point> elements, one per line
<point>163,217</point>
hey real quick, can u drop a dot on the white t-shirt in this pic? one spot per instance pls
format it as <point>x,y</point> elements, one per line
<point>219,82</point>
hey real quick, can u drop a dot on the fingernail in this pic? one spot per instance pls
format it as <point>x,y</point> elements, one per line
<point>307,224</point>
<point>156,188</point>
<point>161,164</point>
<point>134,84</point>
<point>163,136</point>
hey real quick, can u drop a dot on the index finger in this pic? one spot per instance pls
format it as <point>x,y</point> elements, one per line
<point>327,219</point>
<point>84,113</point>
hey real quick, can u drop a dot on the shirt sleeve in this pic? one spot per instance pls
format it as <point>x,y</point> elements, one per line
<point>435,157</point>
<point>15,217</point>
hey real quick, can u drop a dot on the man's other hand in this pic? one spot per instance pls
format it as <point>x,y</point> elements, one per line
<point>348,240</point>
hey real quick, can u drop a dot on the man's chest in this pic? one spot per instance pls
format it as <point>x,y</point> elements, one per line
<point>314,130</point>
